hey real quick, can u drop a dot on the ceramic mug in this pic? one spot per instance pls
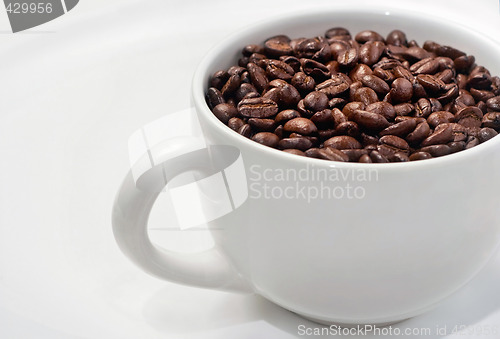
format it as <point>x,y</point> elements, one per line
<point>334,242</point>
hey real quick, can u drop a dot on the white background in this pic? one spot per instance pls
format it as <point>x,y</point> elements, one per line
<point>71,93</point>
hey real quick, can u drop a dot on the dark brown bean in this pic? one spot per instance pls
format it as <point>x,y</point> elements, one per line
<point>486,133</point>
<point>456,146</point>
<point>359,71</point>
<point>303,82</point>
<point>244,90</point>
<point>349,128</point>
<point>425,66</point>
<point>430,83</point>
<point>421,132</point>
<point>336,85</point>
<point>377,157</point>
<point>470,116</point>
<point>279,70</point>
<point>214,97</point>
<point>278,46</point>
<point>366,95</point>
<point>315,69</point>
<point>258,76</point>
<point>436,150</point>
<point>440,117</point>
<point>224,112</point>
<point>367,35</point>
<point>348,58</point>
<point>401,91</point>
<point>257,108</point>
<point>327,153</point>
<point>323,119</point>
<point>383,108</point>
<point>371,52</point>
<point>235,123</point>
<point>420,156</point>
<point>297,143</point>
<point>267,139</point>
<point>472,142</point>
<point>394,144</point>
<point>300,125</point>
<point>493,103</point>
<point>369,120</point>
<point>337,31</point>
<point>342,142</point>
<point>350,107</point>
<point>365,158</point>
<point>245,130</point>
<point>231,85</point>
<point>440,136</point>
<point>400,129</point>
<point>219,79</point>
<point>396,38</point>
<point>404,109</point>
<point>375,83</point>
<point>316,101</point>
<point>286,115</point>
<point>262,125</point>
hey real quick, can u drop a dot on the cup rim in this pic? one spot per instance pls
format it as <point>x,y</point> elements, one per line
<point>198,88</point>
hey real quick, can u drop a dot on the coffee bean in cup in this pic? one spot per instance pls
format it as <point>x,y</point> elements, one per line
<point>359,99</point>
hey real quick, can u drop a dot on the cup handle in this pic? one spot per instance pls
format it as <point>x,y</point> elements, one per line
<point>131,210</point>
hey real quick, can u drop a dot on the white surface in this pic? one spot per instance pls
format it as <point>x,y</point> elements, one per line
<point>73,91</point>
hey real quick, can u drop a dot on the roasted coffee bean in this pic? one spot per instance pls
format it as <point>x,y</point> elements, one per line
<point>450,92</point>
<point>365,158</point>
<point>337,103</point>
<point>420,156</point>
<point>279,70</point>
<point>316,101</point>
<point>267,139</point>
<point>303,82</point>
<point>289,96</point>
<point>350,107</point>
<point>349,128</point>
<point>279,131</point>
<point>415,53</point>
<point>257,108</point>
<point>493,103</point>
<point>286,115</point>
<point>337,31</point>
<point>244,90</point>
<point>440,136</point>
<point>258,76</point>
<point>366,95</point>
<point>440,117</point>
<point>327,153</point>
<point>219,79</point>
<point>354,154</point>
<point>235,123</point>
<point>348,58</point>
<point>423,108</point>
<point>377,157</point>
<point>370,52</point>
<point>343,142</point>
<point>402,72</point>
<point>302,144</point>
<point>294,151</point>
<point>315,69</point>
<point>214,97</point>
<point>446,76</point>
<point>359,71</point>
<point>401,90</point>
<point>273,94</point>
<point>399,157</point>
<point>456,146</point>
<point>278,46</point>
<point>323,119</point>
<point>369,120</point>
<point>375,83</point>
<point>396,38</point>
<point>400,129</point>
<point>224,112</point>
<point>251,49</point>
<point>425,66</point>
<point>430,83</point>
<point>479,80</point>
<point>470,116</point>
<point>365,36</point>
<point>338,116</point>
<point>472,142</point>
<point>263,125</point>
<point>385,75</point>
<point>404,109</point>
<point>449,52</point>
<point>486,133</point>
<point>383,108</point>
<point>245,130</point>
<point>436,150</point>
<point>306,48</point>
<point>300,125</point>
<point>421,132</point>
<point>393,144</point>
<point>481,95</point>
<point>231,85</point>
<point>336,85</point>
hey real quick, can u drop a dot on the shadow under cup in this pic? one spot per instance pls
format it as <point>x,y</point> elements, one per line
<point>357,243</point>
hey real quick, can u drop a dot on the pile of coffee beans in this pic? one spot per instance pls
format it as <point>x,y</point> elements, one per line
<point>361,99</point>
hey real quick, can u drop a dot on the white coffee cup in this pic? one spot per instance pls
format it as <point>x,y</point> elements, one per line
<point>334,242</point>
